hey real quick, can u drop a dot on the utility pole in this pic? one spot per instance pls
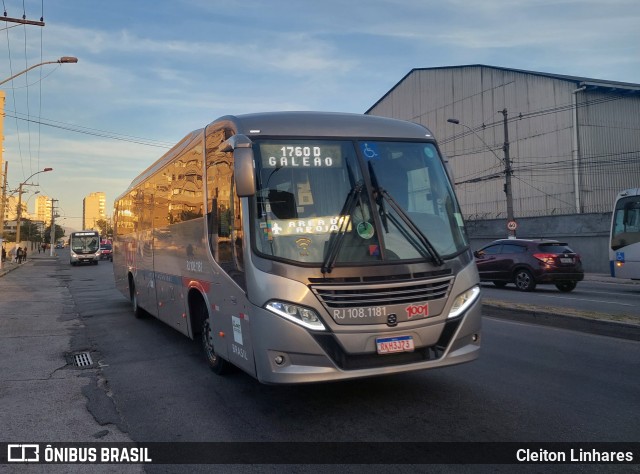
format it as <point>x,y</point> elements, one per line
<point>511,223</point>
<point>19,214</point>
<point>53,225</point>
<point>2,202</point>
<point>4,175</point>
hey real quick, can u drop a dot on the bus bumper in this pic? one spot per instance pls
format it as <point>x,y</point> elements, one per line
<point>287,353</point>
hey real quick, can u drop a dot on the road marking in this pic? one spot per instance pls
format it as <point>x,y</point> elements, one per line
<point>610,293</point>
<point>584,299</point>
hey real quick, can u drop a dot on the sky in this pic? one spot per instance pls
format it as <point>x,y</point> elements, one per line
<point>149,72</point>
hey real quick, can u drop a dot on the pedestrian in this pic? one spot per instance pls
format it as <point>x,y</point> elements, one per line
<point>19,255</point>
<point>24,254</point>
<point>4,254</point>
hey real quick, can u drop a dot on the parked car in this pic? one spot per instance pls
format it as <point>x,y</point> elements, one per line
<point>528,263</point>
<point>106,252</point>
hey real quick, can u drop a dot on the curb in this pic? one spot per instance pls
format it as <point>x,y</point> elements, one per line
<point>602,326</point>
<point>8,267</point>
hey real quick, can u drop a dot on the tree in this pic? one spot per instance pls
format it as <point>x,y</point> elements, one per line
<point>59,233</point>
<point>30,231</point>
<point>104,227</point>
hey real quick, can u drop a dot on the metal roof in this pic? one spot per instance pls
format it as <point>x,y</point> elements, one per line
<point>590,84</point>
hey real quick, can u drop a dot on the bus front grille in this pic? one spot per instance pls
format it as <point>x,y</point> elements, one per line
<point>346,361</point>
<point>353,296</point>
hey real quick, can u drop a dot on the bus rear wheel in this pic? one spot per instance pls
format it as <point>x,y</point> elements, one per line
<point>216,363</point>
<point>138,312</point>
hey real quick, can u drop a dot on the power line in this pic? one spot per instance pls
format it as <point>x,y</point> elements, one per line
<point>93,132</point>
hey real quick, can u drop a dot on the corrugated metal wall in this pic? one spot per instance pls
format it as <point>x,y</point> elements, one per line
<point>540,127</point>
<point>609,130</point>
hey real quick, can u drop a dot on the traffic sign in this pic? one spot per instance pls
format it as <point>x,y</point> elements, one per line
<point>512,225</point>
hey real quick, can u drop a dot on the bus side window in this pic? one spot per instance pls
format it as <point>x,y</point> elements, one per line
<point>223,223</point>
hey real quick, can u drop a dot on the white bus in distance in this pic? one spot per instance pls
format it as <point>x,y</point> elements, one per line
<point>303,247</point>
<point>624,241</point>
<point>84,247</point>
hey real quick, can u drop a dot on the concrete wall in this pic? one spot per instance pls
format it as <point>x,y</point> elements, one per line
<point>586,234</point>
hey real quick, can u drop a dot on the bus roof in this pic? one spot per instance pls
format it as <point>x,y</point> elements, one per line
<point>331,124</point>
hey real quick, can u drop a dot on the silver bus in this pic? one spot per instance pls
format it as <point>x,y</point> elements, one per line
<point>84,247</point>
<point>303,247</point>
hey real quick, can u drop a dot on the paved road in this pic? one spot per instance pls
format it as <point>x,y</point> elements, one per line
<point>149,382</point>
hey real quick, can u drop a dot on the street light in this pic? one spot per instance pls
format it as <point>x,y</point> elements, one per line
<point>62,60</point>
<point>457,122</point>
<point>24,183</point>
<point>511,226</point>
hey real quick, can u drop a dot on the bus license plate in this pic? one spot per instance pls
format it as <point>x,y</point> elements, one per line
<point>389,345</point>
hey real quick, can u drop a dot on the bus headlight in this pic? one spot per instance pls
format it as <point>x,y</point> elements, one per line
<point>298,314</point>
<point>463,301</point>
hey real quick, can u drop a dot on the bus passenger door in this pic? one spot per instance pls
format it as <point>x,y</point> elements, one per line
<point>230,315</point>
<point>233,318</point>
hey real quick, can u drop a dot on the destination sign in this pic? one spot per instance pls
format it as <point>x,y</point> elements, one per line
<point>284,155</point>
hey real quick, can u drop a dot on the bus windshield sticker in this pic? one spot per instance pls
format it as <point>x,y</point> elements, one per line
<point>303,243</point>
<point>365,230</point>
<point>370,150</point>
<point>428,151</point>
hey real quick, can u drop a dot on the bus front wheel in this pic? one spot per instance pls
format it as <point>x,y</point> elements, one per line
<point>215,362</point>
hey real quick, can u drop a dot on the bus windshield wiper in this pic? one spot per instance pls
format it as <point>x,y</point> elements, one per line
<point>382,196</point>
<point>336,239</point>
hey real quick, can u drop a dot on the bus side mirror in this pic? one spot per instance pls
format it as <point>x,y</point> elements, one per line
<point>244,172</point>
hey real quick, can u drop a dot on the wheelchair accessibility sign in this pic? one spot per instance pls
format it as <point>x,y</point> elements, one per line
<point>370,151</point>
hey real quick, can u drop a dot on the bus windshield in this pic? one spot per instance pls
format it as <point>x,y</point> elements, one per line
<point>329,202</point>
<point>626,223</point>
<point>84,242</point>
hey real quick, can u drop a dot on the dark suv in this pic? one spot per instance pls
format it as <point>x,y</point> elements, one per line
<point>529,262</point>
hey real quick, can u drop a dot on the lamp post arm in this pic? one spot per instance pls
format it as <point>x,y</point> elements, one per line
<point>27,70</point>
<point>19,213</point>
<point>62,60</point>
<point>457,122</point>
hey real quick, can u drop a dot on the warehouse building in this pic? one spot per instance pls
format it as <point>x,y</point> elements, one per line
<point>567,145</point>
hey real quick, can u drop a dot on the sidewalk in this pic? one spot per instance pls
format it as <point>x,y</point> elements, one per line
<point>44,394</point>
<point>10,265</point>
